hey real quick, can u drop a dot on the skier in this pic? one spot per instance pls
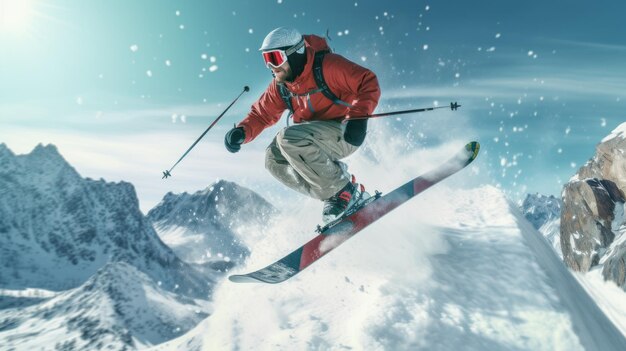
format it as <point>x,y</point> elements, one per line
<point>316,86</point>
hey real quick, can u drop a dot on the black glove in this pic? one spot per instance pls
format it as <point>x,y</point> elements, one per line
<point>234,138</point>
<point>355,131</point>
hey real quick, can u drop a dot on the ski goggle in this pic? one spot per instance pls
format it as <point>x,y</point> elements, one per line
<point>274,58</point>
<point>277,57</point>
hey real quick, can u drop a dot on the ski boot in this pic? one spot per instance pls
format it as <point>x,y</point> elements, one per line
<point>353,194</point>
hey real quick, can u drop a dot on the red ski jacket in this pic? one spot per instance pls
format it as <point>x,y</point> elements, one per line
<point>350,82</point>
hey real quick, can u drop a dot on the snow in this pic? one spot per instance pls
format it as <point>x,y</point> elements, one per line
<point>178,236</point>
<point>453,269</point>
<point>205,226</point>
<point>119,306</point>
<point>456,268</point>
<point>618,216</point>
<point>608,296</point>
<point>64,228</point>
<point>28,292</point>
<point>544,213</point>
<point>619,132</point>
<point>619,229</point>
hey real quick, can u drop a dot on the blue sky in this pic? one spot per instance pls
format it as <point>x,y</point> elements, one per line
<point>124,87</point>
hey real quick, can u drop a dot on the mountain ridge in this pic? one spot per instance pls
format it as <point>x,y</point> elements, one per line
<point>57,229</point>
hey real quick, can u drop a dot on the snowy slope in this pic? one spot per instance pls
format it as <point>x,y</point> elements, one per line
<point>451,270</point>
<point>609,297</point>
<point>117,308</point>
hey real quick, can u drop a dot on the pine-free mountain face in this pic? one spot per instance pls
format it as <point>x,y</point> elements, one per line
<point>540,209</point>
<point>57,228</point>
<point>118,308</point>
<point>205,227</point>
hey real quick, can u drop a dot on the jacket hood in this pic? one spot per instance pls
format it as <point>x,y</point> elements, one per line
<point>312,44</point>
<point>315,43</point>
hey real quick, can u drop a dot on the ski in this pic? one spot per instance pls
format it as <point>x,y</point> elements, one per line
<point>335,233</point>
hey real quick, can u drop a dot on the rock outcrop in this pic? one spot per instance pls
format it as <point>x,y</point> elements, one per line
<point>592,220</point>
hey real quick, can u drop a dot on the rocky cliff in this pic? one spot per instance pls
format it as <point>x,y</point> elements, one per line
<point>592,220</point>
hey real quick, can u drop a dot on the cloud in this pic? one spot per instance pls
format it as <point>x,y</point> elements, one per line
<point>141,158</point>
<point>590,45</point>
<point>87,119</point>
<point>573,82</point>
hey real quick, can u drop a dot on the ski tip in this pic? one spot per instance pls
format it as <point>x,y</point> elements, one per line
<point>473,147</point>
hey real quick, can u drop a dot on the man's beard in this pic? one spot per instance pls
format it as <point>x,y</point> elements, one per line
<point>288,78</point>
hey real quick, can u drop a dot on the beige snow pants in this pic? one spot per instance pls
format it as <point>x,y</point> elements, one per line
<point>305,157</point>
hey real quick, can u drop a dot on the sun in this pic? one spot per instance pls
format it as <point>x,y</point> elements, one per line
<point>15,15</point>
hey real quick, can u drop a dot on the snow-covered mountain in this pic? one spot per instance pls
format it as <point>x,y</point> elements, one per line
<point>118,308</point>
<point>204,227</point>
<point>544,213</point>
<point>57,229</point>
<point>451,270</point>
<point>593,225</point>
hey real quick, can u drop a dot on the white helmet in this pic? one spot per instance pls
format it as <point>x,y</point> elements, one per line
<point>283,37</point>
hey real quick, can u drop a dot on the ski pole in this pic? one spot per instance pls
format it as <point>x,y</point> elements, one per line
<point>167,172</point>
<point>453,106</point>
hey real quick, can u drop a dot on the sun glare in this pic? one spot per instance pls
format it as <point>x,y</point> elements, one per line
<point>15,15</point>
